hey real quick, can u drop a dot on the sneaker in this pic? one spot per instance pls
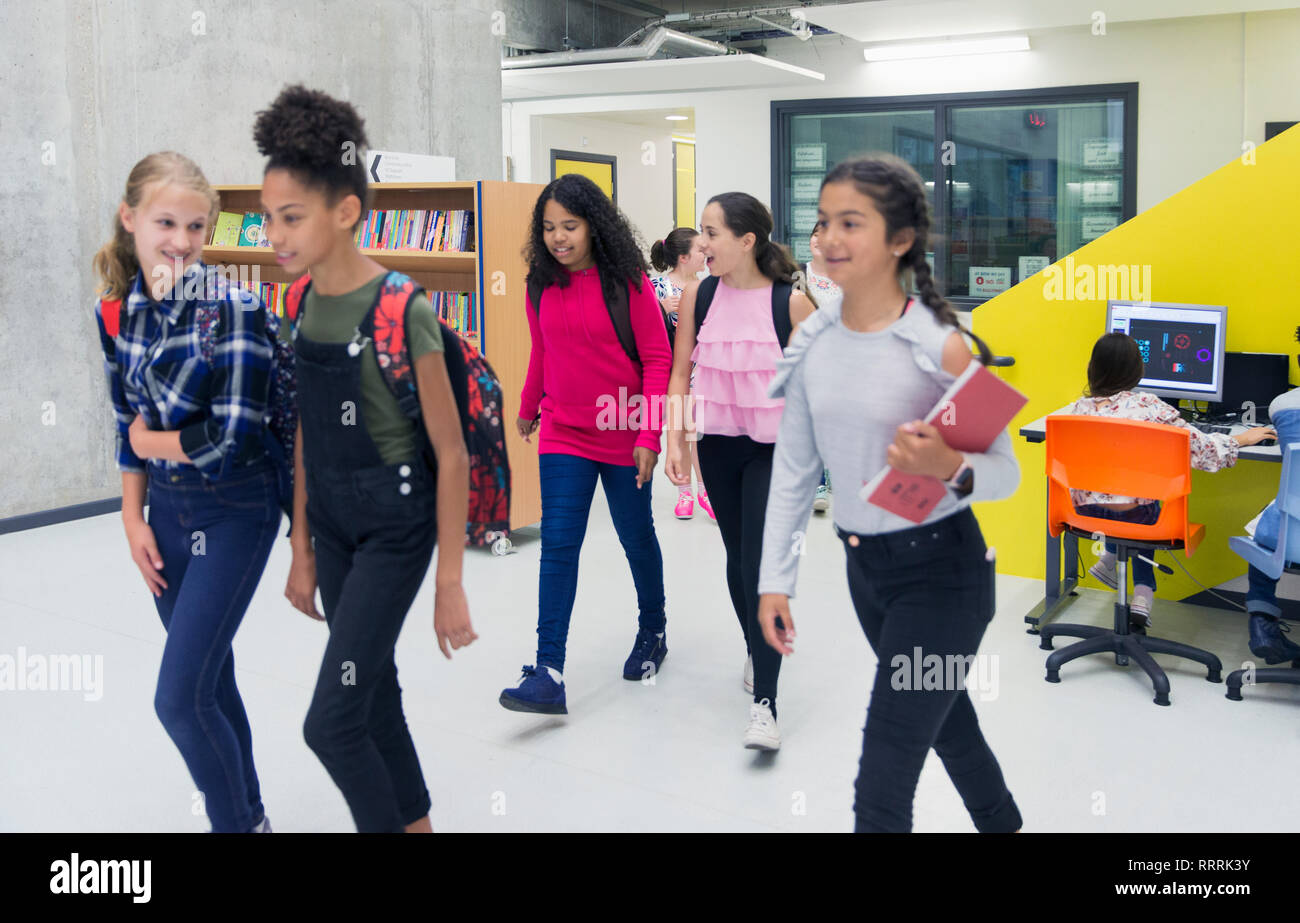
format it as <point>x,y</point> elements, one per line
<point>749,675</point>
<point>822,502</point>
<point>1267,639</point>
<point>263,827</point>
<point>648,653</point>
<point>1139,613</point>
<point>1106,573</point>
<point>762,733</point>
<point>540,690</point>
<point>685,508</point>
<point>703,497</point>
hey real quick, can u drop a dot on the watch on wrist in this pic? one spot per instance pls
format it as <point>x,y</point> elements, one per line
<point>963,481</point>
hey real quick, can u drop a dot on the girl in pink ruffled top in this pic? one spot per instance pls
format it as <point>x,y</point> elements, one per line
<point>735,351</point>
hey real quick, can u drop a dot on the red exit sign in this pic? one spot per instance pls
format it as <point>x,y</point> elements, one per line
<point>1035,119</point>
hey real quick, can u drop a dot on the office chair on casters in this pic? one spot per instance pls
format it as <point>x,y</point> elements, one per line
<point>1131,458</point>
<point>1274,562</point>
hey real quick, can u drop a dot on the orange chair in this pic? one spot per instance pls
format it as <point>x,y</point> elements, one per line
<point>1129,458</point>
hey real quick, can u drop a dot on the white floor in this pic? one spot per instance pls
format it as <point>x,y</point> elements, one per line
<point>1090,754</point>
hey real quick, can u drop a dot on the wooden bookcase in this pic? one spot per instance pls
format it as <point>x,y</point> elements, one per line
<point>494,272</point>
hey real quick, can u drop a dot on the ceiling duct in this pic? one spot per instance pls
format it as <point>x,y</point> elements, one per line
<point>661,40</point>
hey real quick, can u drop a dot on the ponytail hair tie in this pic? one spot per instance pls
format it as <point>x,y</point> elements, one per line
<point>660,241</point>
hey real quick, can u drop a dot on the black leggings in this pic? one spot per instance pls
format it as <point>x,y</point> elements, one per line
<point>924,597</point>
<point>738,471</point>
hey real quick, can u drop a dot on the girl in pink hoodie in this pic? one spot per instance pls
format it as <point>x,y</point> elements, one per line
<point>596,380</point>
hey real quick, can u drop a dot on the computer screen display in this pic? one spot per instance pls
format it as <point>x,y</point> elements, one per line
<point>1181,344</point>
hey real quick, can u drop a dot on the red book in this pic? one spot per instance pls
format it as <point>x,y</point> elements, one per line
<point>970,415</point>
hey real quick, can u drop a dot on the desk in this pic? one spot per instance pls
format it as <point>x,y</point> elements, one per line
<point>1059,588</point>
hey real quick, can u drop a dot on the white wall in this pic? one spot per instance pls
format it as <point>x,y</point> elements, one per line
<point>1192,98</point>
<point>645,190</point>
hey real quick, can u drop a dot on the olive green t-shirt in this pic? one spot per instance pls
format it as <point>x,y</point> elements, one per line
<point>335,319</point>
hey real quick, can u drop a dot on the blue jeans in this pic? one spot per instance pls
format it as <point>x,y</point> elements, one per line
<point>1143,573</point>
<point>568,485</point>
<point>214,538</point>
<point>1261,594</point>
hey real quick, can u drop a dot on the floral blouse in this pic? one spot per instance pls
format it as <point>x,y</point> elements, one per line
<point>665,288</point>
<point>1210,451</point>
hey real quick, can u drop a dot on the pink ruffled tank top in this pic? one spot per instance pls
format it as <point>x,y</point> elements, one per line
<point>735,358</point>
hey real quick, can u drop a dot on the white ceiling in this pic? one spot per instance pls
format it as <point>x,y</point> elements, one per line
<point>893,20</point>
<point>645,118</point>
<point>659,76</point>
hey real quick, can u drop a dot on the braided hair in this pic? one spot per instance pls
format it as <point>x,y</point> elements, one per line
<point>899,196</point>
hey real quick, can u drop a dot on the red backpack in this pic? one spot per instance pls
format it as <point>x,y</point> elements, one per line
<point>474,385</point>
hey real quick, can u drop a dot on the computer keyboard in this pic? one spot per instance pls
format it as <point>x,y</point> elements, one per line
<point>1211,427</point>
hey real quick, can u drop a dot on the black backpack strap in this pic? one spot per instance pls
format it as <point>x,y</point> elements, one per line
<point>620,313</point>
<point>535,294</point>
<point>781,311</point>
<point>703,298</point>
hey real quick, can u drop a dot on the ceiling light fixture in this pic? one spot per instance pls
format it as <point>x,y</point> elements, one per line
<point>899,51</point>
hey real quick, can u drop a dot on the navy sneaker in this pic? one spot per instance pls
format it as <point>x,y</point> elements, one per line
<point>540,690</point>
<point>648,653</point>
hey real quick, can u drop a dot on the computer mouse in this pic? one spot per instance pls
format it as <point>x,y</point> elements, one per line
<point>1267,442</point>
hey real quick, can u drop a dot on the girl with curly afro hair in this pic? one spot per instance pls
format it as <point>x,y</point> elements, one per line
<point>364,490</point>
<point>599,415</point>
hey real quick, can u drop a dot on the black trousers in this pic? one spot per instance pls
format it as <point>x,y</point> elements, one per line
<point>738,471</point>
<point>924,597</point>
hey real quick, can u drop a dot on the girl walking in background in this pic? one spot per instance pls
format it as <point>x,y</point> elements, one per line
<point>598,339</point>
<point>374,491</point>
<point>733,326</point>
<point>190,431</point>
<point>857,381</point>
<point>824,291</point>
<point>680,257</point>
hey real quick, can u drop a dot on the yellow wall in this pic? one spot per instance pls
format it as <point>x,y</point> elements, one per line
<point>684,184</point>
<point>1232,238</point>
<point>602,174</point>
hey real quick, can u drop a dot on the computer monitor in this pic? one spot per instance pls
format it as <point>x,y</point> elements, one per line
<point>1182,346</point>
<point>1252,379</point>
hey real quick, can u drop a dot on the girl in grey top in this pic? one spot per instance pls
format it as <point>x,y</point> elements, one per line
<point>857,379</point>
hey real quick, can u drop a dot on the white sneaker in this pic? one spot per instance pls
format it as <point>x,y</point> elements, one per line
<point>1106,574</point>
<point>762,733</point>
<point>822,501</point>
<point>749,675</point>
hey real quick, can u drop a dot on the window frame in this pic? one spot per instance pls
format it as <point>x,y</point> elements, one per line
<point>783,111</point>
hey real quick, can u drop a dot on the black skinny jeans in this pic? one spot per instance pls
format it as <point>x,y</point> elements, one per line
<point>738,471</point>
<point>930,589</point>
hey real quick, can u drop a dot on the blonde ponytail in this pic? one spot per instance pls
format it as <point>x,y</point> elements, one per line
<point>116,263</point>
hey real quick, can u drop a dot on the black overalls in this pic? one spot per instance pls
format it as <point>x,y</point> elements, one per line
<point>374,528</point>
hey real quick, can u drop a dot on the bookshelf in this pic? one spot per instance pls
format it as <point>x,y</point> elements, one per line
<point>493,273</point>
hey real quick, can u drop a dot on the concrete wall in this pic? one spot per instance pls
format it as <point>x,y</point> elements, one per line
<point>645,190</point>
<point>1202,83</point>
<point>90,86</point>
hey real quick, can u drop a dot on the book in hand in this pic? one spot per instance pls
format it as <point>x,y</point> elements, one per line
<point>970,415</point>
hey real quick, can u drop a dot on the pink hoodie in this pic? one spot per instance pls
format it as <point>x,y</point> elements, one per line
<point>577,368</point>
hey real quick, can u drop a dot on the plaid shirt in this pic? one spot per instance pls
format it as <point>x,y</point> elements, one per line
<point>156,369</point>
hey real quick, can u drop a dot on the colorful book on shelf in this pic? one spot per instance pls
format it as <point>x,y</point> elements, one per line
<point>226,231</point>
<point>250,233</point>
<point>970,415</point>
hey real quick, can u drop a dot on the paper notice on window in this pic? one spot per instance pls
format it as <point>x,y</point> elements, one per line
<point>1093,226</point>
<point>805,187</point>
<point>1101,152</point>
<point>1028,265</point>
<point>810,157</point>
<point>987,281</point>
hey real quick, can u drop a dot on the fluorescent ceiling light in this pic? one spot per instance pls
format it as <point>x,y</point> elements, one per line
<point>677,118</point>
<point>905,50</point>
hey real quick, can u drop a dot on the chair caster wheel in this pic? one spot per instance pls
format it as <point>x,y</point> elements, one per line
<point>1234,695</point>
<point>502,546</point>
<point>1053,676</point>
<point>1214,677</point>
<point>1045,643</point>
<point>1161,699</point>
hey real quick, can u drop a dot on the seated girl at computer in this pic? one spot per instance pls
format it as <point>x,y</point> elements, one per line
<point>1267,638</point>
<point>1114,371</point>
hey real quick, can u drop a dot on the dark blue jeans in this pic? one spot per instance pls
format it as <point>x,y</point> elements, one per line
<point>920,594</point>
<point>568,486</point>
<point>214,538</point>
<point>1147,514</point>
